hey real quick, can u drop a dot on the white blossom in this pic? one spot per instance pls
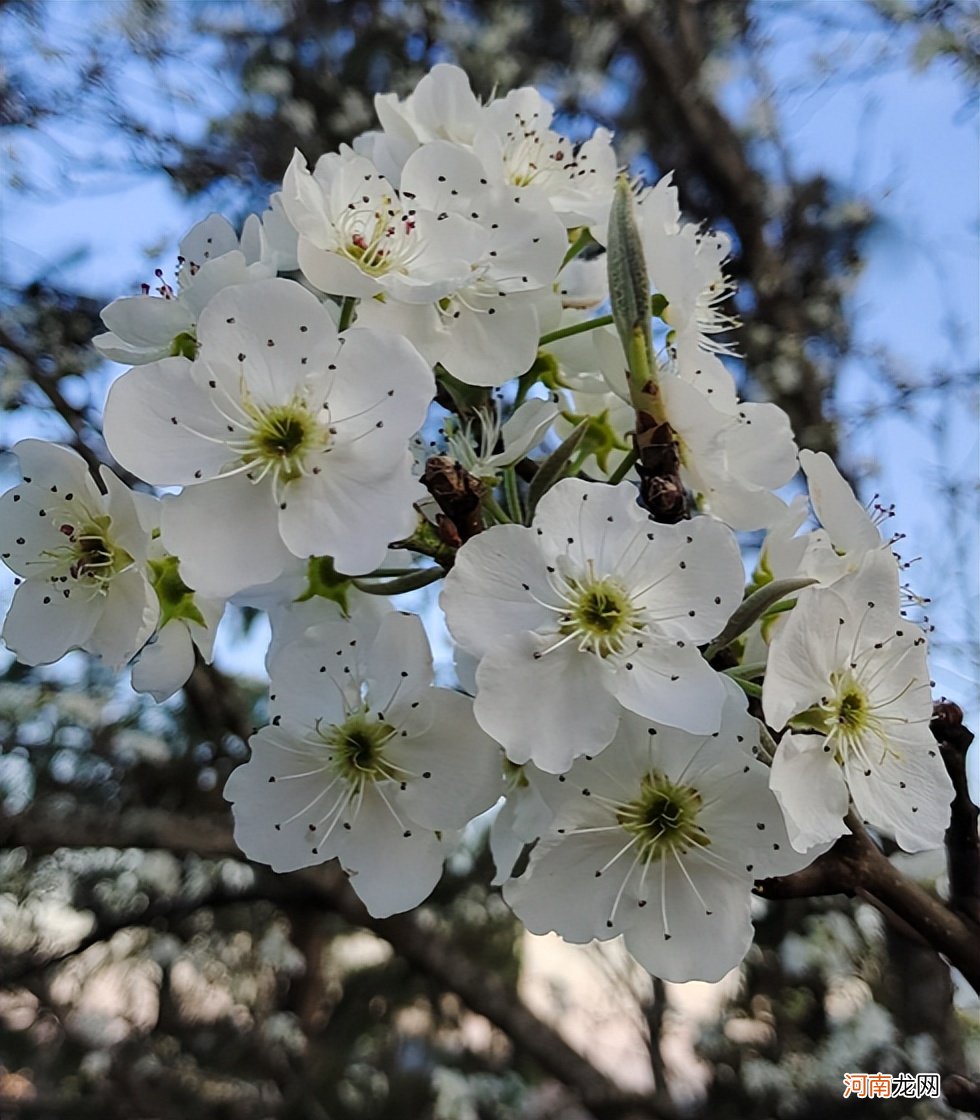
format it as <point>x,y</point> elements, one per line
<point>659,838</point>
<point>593,608</point>
<point>364,761</point>
<point>147,328</point>
<point>290,440</point>
<point>81,555</point>
<point>850,672</point>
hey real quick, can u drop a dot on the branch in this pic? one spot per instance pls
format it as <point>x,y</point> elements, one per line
<point>856,865</point>
<point>962,840</point>
<point>427,950</point>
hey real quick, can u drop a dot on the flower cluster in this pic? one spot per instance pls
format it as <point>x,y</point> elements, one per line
<point>405,372</point>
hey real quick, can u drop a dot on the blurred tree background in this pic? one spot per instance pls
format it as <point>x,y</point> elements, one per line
<point>148,971</point>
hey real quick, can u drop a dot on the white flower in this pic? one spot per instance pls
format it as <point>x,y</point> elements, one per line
<point>290,440</point>
<point>364,761</point>
<point>517,146</point>
<point>486,331</point>
<point>147,328</point>
<point>593,608</point>
<point>82,557</point>
<point>659,838</point>
<point>847,667</point>
<point>847,534</point>
<point>357,237</point>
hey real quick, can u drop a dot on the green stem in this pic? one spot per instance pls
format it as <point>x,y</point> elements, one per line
<point>624,467</point>
<point>746,672</point>
<point>347,312</point>
<point>492,507</point>
<point>748,687</point>
<point>575,328</point>
<point>513,495</point>
<point>418,579</point>
<point>387,573</point>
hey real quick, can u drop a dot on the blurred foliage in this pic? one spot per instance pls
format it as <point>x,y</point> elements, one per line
<point>147,970</point>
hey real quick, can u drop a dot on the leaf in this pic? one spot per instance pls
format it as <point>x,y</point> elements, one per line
<point>753,608</point>
<point>553,468</point>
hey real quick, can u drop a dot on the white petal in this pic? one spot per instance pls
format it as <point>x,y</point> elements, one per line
<point>906,790</point>
<point>464,765</point>
<point>390,871</point>
<point>165,664</point>
<point>488,593</point>
<point>546,710</point>
<point>809,786</point>
<point>671,684</point>
<point>42,624</point>
<point>226,535</point>
<point>706,938</point>
<point>160,424</point>
<point>129,616</point>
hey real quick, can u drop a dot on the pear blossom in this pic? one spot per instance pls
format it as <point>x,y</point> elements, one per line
<point>659,838</point>
<point>511,136</point>
<point>481,332</point>
<point>81,556</point>
<point>147,328</point>
<point>592,609</point>
<point>357,237</point>
<point>364,761</point>
<point>291,441</point>
<point>848,675</point>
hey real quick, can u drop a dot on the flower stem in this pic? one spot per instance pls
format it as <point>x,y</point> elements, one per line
<point>347,312</point>
<point>575,328</point>
<point>513,495</point>
<point>496,511</point>
<point>624,467</point>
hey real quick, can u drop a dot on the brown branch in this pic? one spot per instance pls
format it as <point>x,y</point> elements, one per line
<point>962,839</point>
<point>430,952</point>
<point>856,865</point>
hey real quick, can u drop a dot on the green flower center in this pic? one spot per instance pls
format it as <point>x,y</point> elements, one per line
<point>359,748</point>
<point>852,710</point>
<point>89,554</point>
<point>664,818</point>
<point>282,438</point>
<point>601,615</point>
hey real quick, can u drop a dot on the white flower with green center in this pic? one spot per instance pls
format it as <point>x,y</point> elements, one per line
<point>592,609</point>
<point>149,327</point>
<point>358,237</point>
<point>850,673</point>
<point>659,838</point>
<point>290,441</point>
<point>81,555</point>
<point>364,761</point>
<point>486,330</point>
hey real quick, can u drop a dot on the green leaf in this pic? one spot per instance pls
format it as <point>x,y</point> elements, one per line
<point>753,608</point>
<point>553,468</point>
